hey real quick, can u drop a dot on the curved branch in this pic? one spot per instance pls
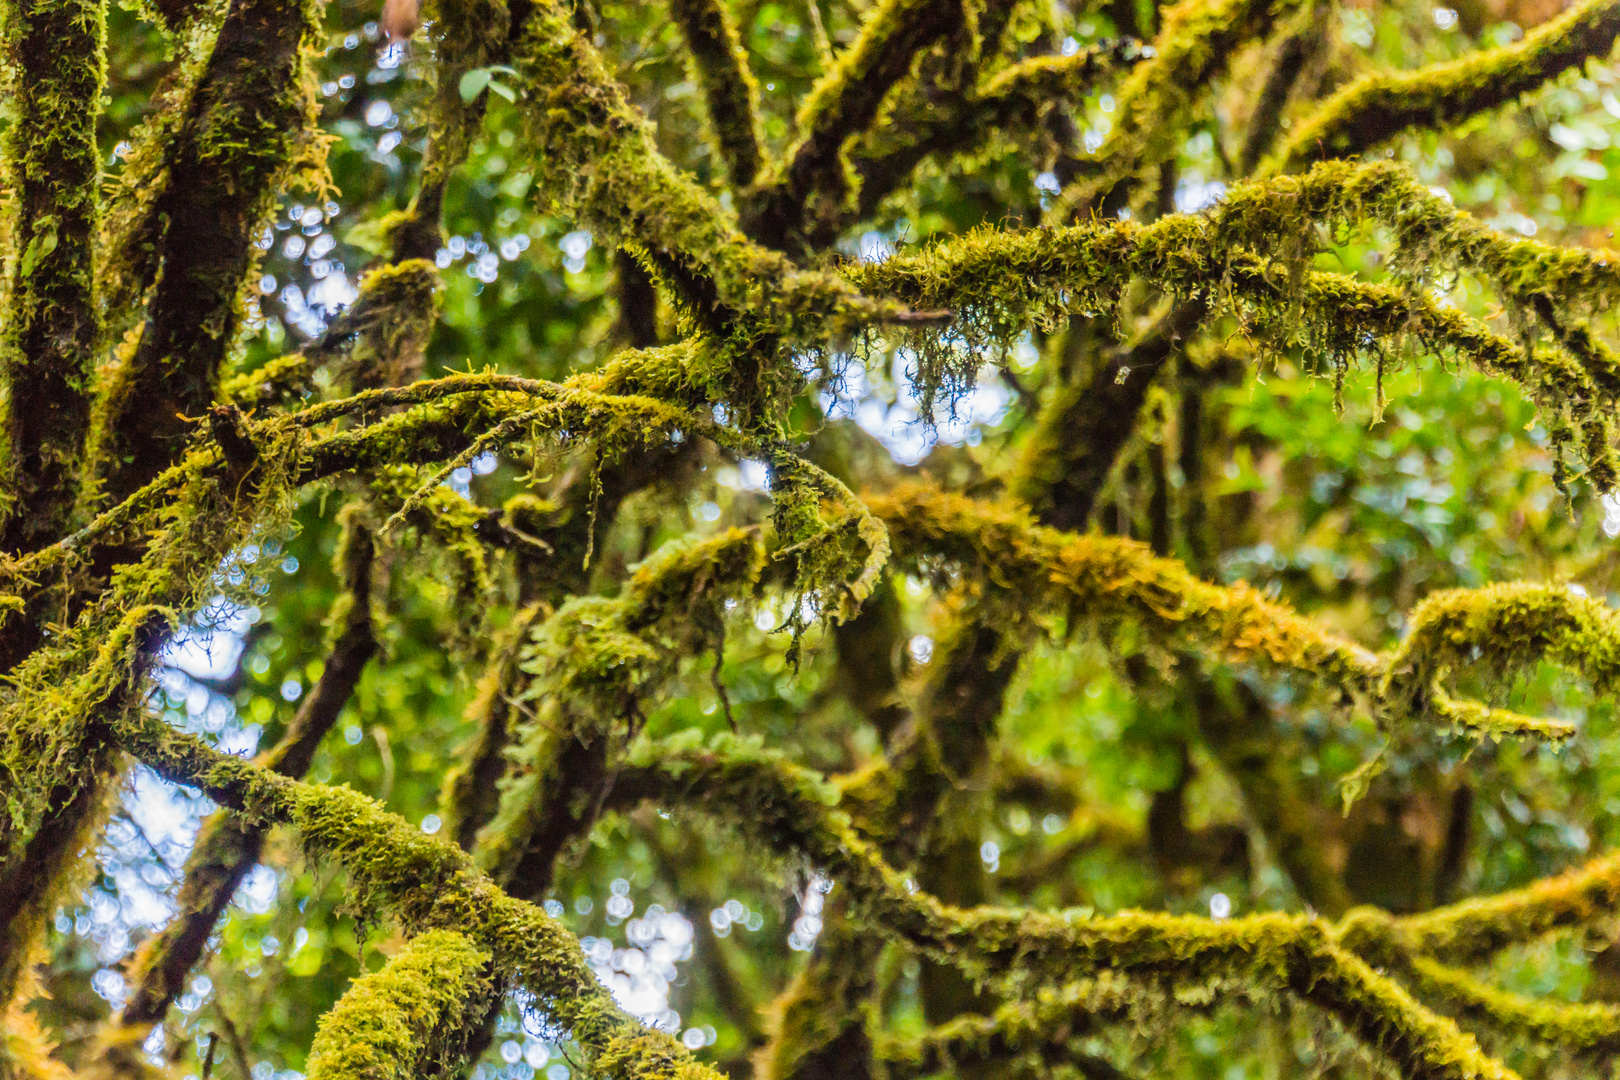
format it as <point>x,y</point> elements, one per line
<point>1582,1027</point>
<point>426,883</point>
<point>843,104</point>
<point>729,87</point>
<point>1376,108</point>
<point>410,1019</point>
<point>790,810</point>
<point>1474,929</point>
<point>1025,571</point>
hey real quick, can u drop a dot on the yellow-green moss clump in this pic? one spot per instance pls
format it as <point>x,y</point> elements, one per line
<point>410,1019</point>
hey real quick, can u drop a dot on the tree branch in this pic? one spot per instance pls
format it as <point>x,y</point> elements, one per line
<point>51,326</point>
<point>251,125</point>
<point>1376,108</point>
<point>721,66</point>
<point>840,106</point>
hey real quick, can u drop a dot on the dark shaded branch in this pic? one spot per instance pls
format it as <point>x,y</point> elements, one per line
<point>251,124</point>
<point>1158,101</point>
<point>1265,122</point>
<point>1078,437</point>
<point>637,324</point>
<point>729,87</point>
<point>1237,726</point>
<point>945,123</point>
<point>50,329</point>
<point>843,104</point>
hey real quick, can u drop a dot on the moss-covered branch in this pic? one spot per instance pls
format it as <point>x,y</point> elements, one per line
<point>426,883</point>
<point>1430,234</point>
<point>1475,929</point>
<point>998,282</point>
<point>790,810</point>
<point>1592,1027</point>
<point>251,126</point>
<point>1376,108</point>
<point>55,59</point>
<point>842,105</point>
<point>1028,572</point>
<point>227,847</point>
<point>410,1019</point>
<point>729,87</point>
<point>1157,101</point>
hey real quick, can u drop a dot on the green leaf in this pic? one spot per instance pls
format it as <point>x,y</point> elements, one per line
<point>472,84</point>
<point>40,246</point>
<point>504,91</point>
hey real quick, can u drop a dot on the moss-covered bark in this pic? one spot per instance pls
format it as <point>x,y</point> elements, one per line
<point>1378,107</point>
<point>250,126</point>
<point>51,326</point>
<point>411,1018</point>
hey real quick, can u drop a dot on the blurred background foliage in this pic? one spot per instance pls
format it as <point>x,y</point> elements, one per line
<point>1352,514</point>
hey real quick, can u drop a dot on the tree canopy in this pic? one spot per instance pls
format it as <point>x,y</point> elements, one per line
<point>809,539</point>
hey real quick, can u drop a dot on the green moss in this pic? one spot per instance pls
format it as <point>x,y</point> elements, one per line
<point>410,1019</point>
<point>1476,928</point>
